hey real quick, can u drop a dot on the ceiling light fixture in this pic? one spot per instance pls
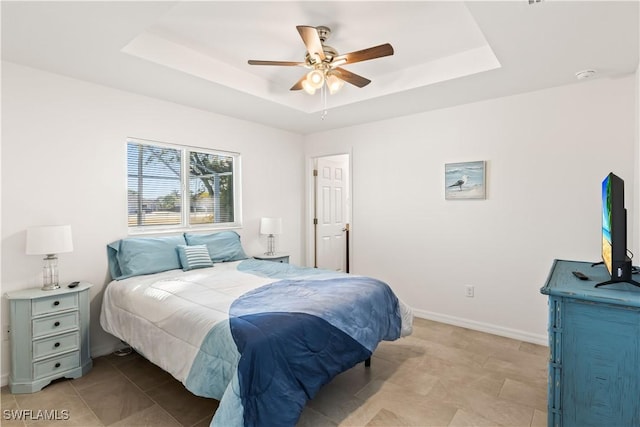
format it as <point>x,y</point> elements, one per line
<point>322,77</point>
<point>321,72</point>
<point>318,77</point>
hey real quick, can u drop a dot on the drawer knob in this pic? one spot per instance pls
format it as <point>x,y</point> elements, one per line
<point>57,365</point>
<point>56,324</point>
<point>57,344</point>
<point>56,303</point>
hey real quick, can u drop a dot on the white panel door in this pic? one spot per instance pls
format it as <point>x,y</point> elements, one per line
<point>331,210</point>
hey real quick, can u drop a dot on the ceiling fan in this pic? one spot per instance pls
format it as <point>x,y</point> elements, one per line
<point>325,63</point>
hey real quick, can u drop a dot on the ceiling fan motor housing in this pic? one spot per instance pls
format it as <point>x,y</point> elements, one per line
<point>313,61</point>
<point>323,33</point>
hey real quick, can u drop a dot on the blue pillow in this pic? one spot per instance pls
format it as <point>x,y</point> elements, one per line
<point>192,257</point>
<point>112,257</point>
<point>143,255</point>
<point>223,246</point>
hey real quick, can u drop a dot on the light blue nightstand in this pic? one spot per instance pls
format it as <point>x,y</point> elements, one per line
<point>594,340</point>
<point>277,257</point>
<point>49,336</point>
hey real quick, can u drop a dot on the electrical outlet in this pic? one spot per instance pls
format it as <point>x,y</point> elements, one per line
<point>468,291</point>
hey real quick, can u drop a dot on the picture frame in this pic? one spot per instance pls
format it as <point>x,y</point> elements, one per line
<point>465,180</point>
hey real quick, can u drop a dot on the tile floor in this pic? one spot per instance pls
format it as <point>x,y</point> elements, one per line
<point>441,375</point>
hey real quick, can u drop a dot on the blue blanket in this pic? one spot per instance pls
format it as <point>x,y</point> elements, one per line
<point>285,340</point>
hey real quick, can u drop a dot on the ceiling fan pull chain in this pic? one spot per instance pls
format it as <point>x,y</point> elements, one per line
<point>323,98</point>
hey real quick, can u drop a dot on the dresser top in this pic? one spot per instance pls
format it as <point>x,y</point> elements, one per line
<point>561,282</point>
<point>39,293</point>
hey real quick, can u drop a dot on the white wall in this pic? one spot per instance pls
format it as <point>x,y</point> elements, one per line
<point>547,153</point>
<point>63,162</point>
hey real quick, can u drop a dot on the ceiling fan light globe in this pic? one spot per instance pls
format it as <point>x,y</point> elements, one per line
<point>315,79</point>
<point>334,83</point>
<point>307,87</point>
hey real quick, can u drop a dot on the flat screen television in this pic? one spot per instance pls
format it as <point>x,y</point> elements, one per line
<point>614,232</point>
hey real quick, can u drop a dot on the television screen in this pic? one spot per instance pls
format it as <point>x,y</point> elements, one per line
<point>614,231</point>
<point>606,222</point>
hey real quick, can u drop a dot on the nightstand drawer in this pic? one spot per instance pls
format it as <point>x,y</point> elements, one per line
<point>55,324</point>
<point>53,304</point>
<point>284,259</point>
<point>54,365</point>
<point>57,344</point>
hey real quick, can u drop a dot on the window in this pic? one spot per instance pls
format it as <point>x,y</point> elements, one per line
<point>174,187</point>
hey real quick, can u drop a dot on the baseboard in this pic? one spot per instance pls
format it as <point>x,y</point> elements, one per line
<point>4,380</point>
<point>483,327</point>
<point>103,350</point>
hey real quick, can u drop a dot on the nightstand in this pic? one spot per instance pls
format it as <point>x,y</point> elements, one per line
<point>49,336</point>
<point>277,257</point>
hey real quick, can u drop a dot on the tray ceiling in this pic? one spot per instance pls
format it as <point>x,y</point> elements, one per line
<point>446,53</point>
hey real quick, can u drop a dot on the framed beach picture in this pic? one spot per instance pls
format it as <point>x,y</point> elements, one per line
<point>465,180</point>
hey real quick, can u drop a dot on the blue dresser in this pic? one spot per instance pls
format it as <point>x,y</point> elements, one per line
<point>594,338</point>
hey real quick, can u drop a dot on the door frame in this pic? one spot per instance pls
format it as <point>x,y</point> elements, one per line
<point>309,229</point>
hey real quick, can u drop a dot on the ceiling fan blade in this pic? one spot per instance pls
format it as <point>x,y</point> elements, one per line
<point>283,63</point>
<point>365,54</point>
<point>352,78</point>
<point>298,85</point>
<point>311,40</point>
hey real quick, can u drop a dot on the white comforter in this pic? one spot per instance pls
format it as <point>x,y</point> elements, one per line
<point>165,316</point>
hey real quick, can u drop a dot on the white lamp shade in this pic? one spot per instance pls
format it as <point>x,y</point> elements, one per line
<point>49,240</point>
<point>271,226</point>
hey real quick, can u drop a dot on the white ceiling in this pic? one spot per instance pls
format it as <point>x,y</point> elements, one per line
<point>446,53</point>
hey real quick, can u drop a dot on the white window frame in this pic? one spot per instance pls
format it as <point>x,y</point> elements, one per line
<point>184,187</point>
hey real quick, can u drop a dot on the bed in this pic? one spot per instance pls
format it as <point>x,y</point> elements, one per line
<point>259,336</point>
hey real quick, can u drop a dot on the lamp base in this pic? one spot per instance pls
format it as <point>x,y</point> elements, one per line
<point>271,245</point>
<point>50,273</point>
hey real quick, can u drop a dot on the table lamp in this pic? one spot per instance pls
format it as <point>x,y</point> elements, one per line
<point>271,227</point>
<point>49,240</point>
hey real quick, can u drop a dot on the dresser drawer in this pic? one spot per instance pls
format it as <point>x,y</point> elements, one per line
<point>53,304</point>
<point>56,344</point>
<point>54,324</point>
<point>57,364</point>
